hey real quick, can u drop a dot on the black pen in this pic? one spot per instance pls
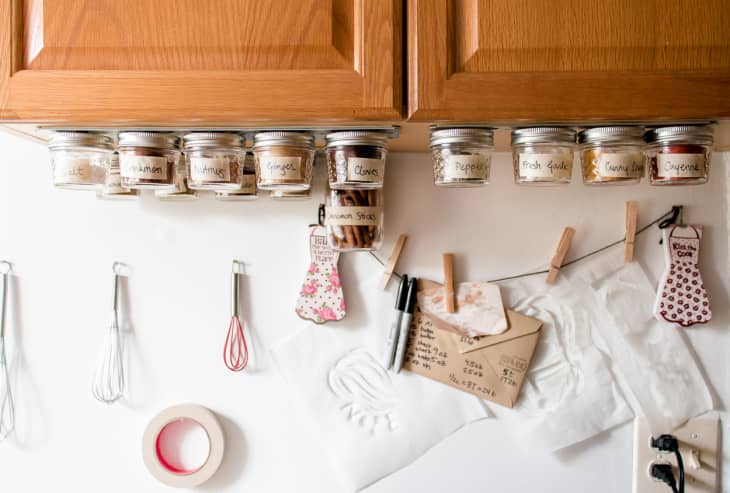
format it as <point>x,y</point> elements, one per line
<point>405,324</point>
<point>400,306</point>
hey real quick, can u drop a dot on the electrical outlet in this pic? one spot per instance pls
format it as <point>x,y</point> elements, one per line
<point>699,445</point>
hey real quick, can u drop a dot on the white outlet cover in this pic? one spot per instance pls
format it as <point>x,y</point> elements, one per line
<point>700,435</point>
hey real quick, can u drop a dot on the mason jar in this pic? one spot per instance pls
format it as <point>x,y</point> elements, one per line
<point>291,195</point>
<point>612,155</point>
<point>80,160</point>
<point>148,160</point>
<point>543,155</point>
<point>462,157</point>
<point>214,160</point>
<point>679,155</point>
<point>356,159</point>
<point>354,219</point>
<point>113,189</point>
<point>283,160</point>
<point>247,189</point>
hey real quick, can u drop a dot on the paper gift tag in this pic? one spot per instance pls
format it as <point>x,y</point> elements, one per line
<point>321,299</point>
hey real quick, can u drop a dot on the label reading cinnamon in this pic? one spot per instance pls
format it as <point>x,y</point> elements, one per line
<point>466,167</point>
<point>352,216</point>
<point>203,169</point>
<point>274,168</point>
<point>557,166</point>
<point>681,165</point>
<point>620,165</point>
<point>248,183</point>
<point>365,169</point>
<point>71,170</point>
<point>143,167</point>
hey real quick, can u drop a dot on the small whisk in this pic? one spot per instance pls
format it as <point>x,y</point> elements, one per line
<point>7,411</point>
<point>235,351</point>
<point>108,384</point>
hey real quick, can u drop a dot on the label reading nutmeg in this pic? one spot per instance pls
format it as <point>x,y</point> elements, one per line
<point>143,167</point>
<point>467,167</point>
<point>620,164</point>
<point>352,216</point>
<point>681,165</point>
<point>365,169</point>
<point>274,168</point>
<point>557,166</point>
<point>210,170</point>
<point>71,170</point>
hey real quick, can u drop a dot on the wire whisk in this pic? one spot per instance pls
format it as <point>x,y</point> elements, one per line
<point>108,384</point>
<point>235,351</point>
<point>7,410</point>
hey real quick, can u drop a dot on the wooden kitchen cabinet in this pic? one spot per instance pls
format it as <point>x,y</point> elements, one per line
<point>568,60</point>
<point>200,62</point>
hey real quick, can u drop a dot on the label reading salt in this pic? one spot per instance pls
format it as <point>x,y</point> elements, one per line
<point>248,183</point>
<point>352,216</point>
<point>557,166</point>
<point>143,167</point>
<point>203,169</point>
<point>281,168</point>
<point>71,170</point>
<point>466,167</point>
<point>620,165</point>
<point>681,165</point>
<point>365,169</point>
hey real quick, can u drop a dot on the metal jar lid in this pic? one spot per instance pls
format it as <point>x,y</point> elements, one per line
<point>156,140</point>
<point>543,135</point>
<point>213,139</point>
<point>357,137</point>
<point>87,140</point>
<point>612,135</point>
<point>681,134</point>
<point>473,136</point>
<point>284,138</point>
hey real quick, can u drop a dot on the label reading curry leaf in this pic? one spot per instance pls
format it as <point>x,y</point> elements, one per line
<point>620,164</point>
<point>352,216</point>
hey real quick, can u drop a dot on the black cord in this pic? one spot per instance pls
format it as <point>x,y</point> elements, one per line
<point>680,465</point>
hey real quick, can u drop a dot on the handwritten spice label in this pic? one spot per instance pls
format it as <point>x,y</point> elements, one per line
<point>71,170</point>
<point>204,169</point>
<point>281,168</point>
<point>143,167</point>
<point>365,169</point>
<point>352,216</point>
<point>466,167</point>
<point>620,165</point>
<point>681,165</point>
<point>556,166</point>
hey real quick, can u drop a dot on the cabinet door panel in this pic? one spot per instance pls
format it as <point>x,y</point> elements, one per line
<point>563,60</point>
<point>218,61</point>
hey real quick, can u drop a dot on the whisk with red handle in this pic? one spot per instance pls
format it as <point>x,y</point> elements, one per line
<point>235,351</point>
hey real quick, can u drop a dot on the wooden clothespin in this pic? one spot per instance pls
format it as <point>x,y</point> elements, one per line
<point>392,261</point>
<point>632,217</point>
<point>449,296</point>
<point>557,262</point>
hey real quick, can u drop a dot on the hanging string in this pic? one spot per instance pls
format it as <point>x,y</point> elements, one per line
<point>664,221</point>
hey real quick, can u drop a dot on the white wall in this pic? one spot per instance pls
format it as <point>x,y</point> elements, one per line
<point>63,243</point>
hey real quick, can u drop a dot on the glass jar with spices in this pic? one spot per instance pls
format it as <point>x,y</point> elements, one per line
<point>354,219</point>
<point>147,160</point>
<point>247,190</point>
<point>113,189</point>
<point>283,160</point>
<point>180,191</point>
<point>543,155</point>
<point>80,159</point>
<point>461,157</point>
<point>612,155</point>
<point>291,195</point>
<point>214,160</point>
<point>356,159</point>
<point>679,155</point>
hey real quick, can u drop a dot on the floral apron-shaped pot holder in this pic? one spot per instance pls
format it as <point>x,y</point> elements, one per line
<point>321,299</point>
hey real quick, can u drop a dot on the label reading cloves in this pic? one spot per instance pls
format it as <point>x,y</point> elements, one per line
<point>681,165</point>
<point>365,169</point>
<point>467,167</point>
<point>352,216</point>
<point>273,168</point>
<point>143,167</point>
<point>620,165</point>
<point>204,170</point>
<point>556,166</point>
<point>71,170</point>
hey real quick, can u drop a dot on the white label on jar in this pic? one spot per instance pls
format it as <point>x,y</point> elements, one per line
<point>281,168</point>
<point>352,216</point>
<point>248,183</point>
<point>557,166</point>
<point>681,165</point>
<point>620,164</point>
<point>71,170</point>
<point>466,167</point>
<point>204,169</point>
<point>143,167</point>
<point>365,169</point>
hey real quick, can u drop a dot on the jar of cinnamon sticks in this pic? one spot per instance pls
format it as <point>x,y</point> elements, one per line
<point>354,219</point>
<point>284,160</point>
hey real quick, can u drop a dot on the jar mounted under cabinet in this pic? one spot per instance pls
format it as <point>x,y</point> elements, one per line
<point>543,155</point>
<point>284,160</point>
<point>612,155</point>
<point>247,190</point>
<point>80,159</point>
<point>214,160</point>
<point>113,189</point>
<point>354,219</point>
<point>148,160</point>
<point>679,155</point>
<point>461,157</point>
<point>356,159</point>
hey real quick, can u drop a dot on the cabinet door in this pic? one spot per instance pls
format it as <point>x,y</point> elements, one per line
<point>568,60</point>
<point>204,62</point>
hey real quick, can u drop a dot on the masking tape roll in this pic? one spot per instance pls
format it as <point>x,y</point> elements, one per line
<point>165,472</point>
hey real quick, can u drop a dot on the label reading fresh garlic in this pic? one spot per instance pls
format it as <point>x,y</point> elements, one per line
<point>557,166</point>
<point>352,216</point>
<point>71,170</point>
<point>620,165</point>
<point>248,183</point>
<point>681,165</point>
<point>203,169</point>
<point>280,168</point>
<point>467,167</point>
<point>143,167</point>
<point>365,169</point>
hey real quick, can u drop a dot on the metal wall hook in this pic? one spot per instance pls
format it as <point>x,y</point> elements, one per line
<point>5,267</point>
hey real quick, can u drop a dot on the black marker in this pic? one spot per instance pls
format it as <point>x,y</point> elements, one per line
<point>405,324</point>
<point>400,306</point>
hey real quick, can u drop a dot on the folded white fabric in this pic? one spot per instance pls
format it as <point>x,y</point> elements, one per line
<point>370,421</point>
